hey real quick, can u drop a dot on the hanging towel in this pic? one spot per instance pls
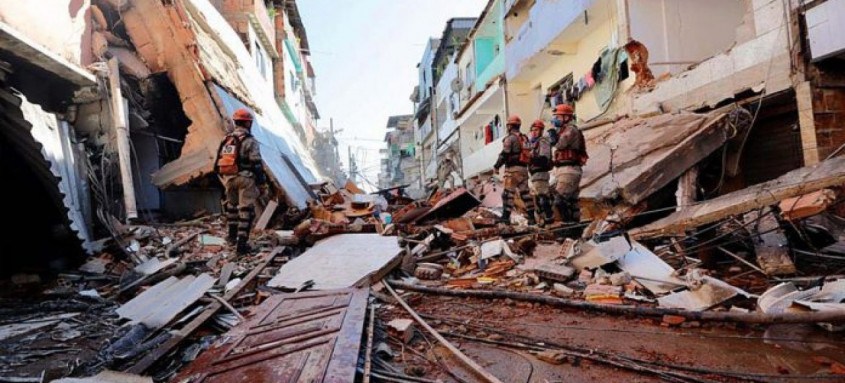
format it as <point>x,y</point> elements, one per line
<point>606,88</point>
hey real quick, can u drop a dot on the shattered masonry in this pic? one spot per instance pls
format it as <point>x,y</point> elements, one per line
<point>711,246</point>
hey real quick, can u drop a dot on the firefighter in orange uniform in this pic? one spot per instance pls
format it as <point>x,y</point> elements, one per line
<point>541,164</point>
<point>570,155</point>
<point>515,156</point>
<point>240,169</point>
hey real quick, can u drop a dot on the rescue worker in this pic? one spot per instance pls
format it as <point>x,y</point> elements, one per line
<point>240,169</point>
<point>541,164</point>
<point>569,156</point>
<point>515,156</point>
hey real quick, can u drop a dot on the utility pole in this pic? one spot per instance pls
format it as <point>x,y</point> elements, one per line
<point>353,167</point>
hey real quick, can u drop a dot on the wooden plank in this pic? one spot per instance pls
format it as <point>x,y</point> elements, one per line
<point>771,246</point>
<point>264,220</point>
<point>192,326</point>
<point>339,261</point>
<point>825,174</point>
<point>687,192</point>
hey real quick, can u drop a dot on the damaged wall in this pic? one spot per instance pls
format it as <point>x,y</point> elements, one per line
<point>166,44</point>
<point>69,32</point>
<point>193,44</point>
<point>762,62</point>
<point>683,32</point>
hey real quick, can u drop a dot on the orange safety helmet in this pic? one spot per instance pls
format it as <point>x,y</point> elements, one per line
<point>242,115</point>
<point>514,120</point>
<point>563,109</point>
<point>538,124</point>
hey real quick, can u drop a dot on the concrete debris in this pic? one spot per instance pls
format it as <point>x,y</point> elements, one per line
<point>340,261</point>
<point>109,377</point>
<point>403,327</point>
<point>787,297</point>
<point>703,293</point>
<point>688,217</point>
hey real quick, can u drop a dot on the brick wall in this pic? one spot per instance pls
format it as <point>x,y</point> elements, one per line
<point>829,118</point>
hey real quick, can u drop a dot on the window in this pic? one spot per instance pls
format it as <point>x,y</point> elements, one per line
<point>294,82</point>
<point>261,60</point>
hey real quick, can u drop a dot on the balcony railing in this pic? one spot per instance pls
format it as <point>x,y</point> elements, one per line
<point>546,21</point>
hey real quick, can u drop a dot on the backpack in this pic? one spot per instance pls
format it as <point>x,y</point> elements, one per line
<point>228,156</point>
<point>525,151</point>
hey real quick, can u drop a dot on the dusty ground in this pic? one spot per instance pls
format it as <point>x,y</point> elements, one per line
<point>777,353</point>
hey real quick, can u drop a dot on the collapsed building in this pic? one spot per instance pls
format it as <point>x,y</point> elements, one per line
<point>712,206</point>
<point>117,110</point>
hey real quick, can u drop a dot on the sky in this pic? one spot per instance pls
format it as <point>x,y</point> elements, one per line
<point>365,55</point>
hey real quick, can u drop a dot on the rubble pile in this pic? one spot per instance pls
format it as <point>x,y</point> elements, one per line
<point>155,298</point>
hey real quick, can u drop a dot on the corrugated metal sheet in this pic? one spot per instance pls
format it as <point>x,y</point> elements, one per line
<point>302,337</point>
<point>50,153</point>
<point>161,303</point>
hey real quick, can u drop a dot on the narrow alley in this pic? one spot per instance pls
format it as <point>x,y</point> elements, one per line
<point>576,191</point>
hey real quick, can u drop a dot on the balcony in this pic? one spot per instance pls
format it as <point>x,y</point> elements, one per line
<point>543,31</point>
<point>260,18</point>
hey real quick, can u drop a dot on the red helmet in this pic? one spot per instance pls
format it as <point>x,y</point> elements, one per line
<point>514,120</point>
<point>563,109</point>
<point>538,124</point>
<point>242,115</point>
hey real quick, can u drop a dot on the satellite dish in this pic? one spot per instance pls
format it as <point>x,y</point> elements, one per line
<point>457,85</point>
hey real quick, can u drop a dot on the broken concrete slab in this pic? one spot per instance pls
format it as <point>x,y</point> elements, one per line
<point>645,154</point>
<point>339,261</point>
<point>704,292</point>
<point>495,248</point>
<point>648,269</point>
<point>404,327</point>
<point>211,240</point>
<point>595,254</point>
<point>825,174</point>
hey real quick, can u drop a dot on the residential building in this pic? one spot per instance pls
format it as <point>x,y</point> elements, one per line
<point>619,60</point>
<point>423,111</point>
<point>119,109</point>
<point>447,90</point>
<point>482,91</point>
<point>273,32</point>
<point>399,166</point>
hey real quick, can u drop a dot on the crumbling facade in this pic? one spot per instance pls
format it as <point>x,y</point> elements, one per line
<point>143,90</point>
